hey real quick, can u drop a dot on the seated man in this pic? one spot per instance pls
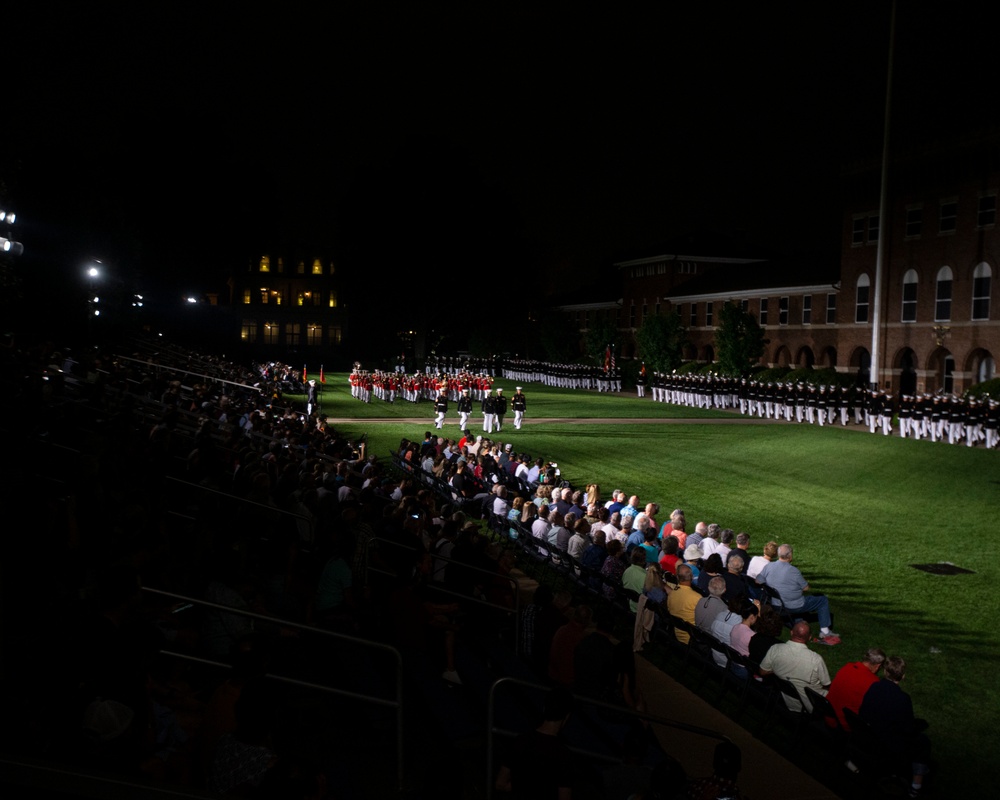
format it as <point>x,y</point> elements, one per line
<point>710,607</point>
<point>889,712</point>
<point>682,600</point>
<point>851,683</point>
<point>796,663</point>
<point>790,584</point>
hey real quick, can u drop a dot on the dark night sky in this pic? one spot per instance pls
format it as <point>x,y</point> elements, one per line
<point>173,141</point>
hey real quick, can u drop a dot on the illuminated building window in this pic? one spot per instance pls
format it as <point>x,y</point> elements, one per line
<point>270,333</point>
<point>246,296</point>
<point>314,334</point>
<point>248,332</point>
<point>317,268</point>
<point>300,300</point>
<point>265,293</point>
<point>277,297</point>
<point>265,264</point>
<point>333,298</point>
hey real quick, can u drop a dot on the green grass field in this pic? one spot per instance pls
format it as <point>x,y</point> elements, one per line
<point>859,510</point>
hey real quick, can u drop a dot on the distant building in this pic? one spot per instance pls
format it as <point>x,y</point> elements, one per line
<point>938,320</point>
<point>290,304</point>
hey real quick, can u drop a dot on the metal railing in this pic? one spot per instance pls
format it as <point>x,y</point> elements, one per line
<point>438,587</point>
<point>492,729</point>
<point>396,703</point>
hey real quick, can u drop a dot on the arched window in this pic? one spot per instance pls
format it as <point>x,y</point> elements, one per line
<point>982,283</point>
<point>862,303</point>
<point>909,296</point>
<point>265,264</point>
<point>942,305</point>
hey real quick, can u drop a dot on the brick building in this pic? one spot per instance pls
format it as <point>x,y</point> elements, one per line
<point>289,305</point>
<point>938,320</point>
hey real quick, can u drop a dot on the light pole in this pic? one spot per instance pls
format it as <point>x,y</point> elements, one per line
<point>93,274</point>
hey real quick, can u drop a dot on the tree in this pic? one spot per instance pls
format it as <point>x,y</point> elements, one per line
<point>739,340</point>
<point>600,334</point>
<point>661,339</point>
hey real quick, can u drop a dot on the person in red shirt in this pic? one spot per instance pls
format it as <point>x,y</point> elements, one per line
<point>849,685</point>
<point>670,555</point>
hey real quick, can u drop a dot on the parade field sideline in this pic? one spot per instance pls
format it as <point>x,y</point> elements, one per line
<point>859,509</point>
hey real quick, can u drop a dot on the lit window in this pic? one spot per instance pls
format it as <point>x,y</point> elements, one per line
<point>861,303</point>
<point>317,267</point>
<point>248,332</point>
<point>782,310</point>
<point>265,264</point>
<point>942,304</point>
<point>270,333</point>
<point>831,308</point>
<point>949,216</point>
<point>333,299</point>
<point>277,297</point>
<point>314,334</point>
<point>914,221</point>
<point>987,214</point>
<point>807,309</point>
<point>246,296</point>
<point>982,279</point>
<point>763,311</point>
<point>265,293</point>
<point>909,296</point>
<point>300,300</point>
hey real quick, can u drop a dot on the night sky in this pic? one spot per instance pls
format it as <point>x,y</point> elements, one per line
<point>472,150</point>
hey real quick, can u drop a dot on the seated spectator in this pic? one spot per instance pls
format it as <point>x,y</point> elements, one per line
<point>538,763</point>
<point>851,683</point>
<point>800,666</point>
<point>649,546</point>
<point>613,568</point>
<point>634,578</point>
<point>711,606</point>
<point>740,635</point>
<point>757,563</point>
<point>790,583</point>
<point>580,540</point>
<point>593,557</point>
<point>711,567</point>
<point>669,558</point>
<point>767,633</point>
<point>741,549</point>
<point>736,585</point>
<point>697,537</point>
<point>682,601</point>
<point>652,586</point>
<point>889,712</point>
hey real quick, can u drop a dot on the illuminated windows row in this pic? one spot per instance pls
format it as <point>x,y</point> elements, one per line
<point>277,297</point>
<point>301,268</point>
<point>289,333</point>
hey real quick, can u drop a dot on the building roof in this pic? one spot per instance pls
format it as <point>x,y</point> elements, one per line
<point>775,276</point>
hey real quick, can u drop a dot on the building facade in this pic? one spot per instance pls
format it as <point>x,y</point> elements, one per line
<point>289,305</point>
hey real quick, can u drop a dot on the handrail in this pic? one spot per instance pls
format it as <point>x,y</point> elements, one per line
<point>624,710</point>
<point>237,499</point>
<point>392,651</point>
<point>516,611</point>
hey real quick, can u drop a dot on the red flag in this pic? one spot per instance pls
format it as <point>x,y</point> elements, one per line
<point>612,359</point>
<point>322,377</point>
<point>643,370</point>
<point>305,374</point>
<point>607,357</point>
